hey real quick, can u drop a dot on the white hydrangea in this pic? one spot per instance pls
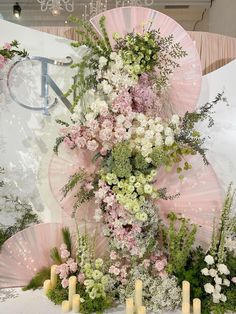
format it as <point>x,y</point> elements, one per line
<point>216,297</point>
<point>168,131</point>
<point>223,298</point>
<point>169,140</point>
<point>223,269</point>
<point>209,288</point>
<point>209,260</point>
<point>205,272</point>
<point>175,119</point>
<point>217,288</point>
<point>218,280</point>
<point>102,62</point>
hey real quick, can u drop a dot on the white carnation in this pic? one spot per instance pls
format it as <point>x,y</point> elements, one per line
<point>209,288</point>
<point>209,260</point>
<point>168,131</point>
<point>223,269</point>
<point>213,272</point>
<point>205,271</point>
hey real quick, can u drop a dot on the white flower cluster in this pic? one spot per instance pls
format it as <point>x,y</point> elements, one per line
<point>114,75</point>
<point>150,133</point>
<point>90,108</point>
<point>217,274</point>
<point>160,294</point>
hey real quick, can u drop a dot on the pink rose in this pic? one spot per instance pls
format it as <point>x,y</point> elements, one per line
<point>80,142</point>
<point>2,59</point>
<point>103,151</point>
<point>73,267</point>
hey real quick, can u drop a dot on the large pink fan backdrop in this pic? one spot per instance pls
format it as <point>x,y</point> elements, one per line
<point>25,253</point>
<point>185,83</point>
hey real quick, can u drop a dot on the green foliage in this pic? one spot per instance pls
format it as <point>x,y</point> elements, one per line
<point>121,165</point>
<point>180,237</point>
<point>58,294</point>
<point>38,280</point>
<point>67,238</point>
<point>59,140</point>
<point>55,256</point>
<point>10,53</point>
<point>82,196</point>
<point>227,227</point>
<point>73,181</point>
<point>188,135</point>
<point>140,163</point>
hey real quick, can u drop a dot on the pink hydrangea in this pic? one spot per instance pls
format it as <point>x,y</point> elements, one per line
<point>65,254</point>
<point>65,283</point>
<point>92,145</point>
<point>81,278</point>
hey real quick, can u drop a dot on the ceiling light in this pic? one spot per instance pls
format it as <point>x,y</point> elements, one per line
<point>56,6</point>
<point>17,10</point>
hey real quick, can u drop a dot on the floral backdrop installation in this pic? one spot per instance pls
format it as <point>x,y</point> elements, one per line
<point>124,129</point>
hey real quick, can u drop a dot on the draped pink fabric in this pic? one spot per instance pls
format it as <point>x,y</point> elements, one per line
<point>214,50</point>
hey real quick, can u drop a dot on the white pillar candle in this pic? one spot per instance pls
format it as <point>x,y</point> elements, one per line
<point>142,310</point>
<point>130,306</point>
<point>185,308</point>
<point>76,303</point>
<point>138,294</point>
<point>72,289</point>
<point>53,276</point>
<point>196,306</point>
<point>47,286</point>
<point>185,292</point>
<point>65,306</point>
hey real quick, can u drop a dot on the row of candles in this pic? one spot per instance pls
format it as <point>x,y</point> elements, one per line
<point>135,305</point>
<point>132,305</point>
<point>73,302</point>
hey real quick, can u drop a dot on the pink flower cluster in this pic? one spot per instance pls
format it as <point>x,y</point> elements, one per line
<point>3,60</point>
<point>118,221</point>
<point>118,269</point>
<point>156,263</point>
<point>144,97</point>
<point>98,135</point>
<point>66,269</point>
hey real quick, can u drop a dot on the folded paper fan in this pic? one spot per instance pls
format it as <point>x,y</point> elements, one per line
<point>200,197</point>
<point>185,83</point>
<point>61,167</point>
<point>25,253</point>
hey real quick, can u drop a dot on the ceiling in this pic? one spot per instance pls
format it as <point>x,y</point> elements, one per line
<point>187,14</point>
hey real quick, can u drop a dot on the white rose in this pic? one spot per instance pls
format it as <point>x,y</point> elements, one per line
<point>158,128</point>
<point>217,288</point>
<point>205,271</point>
<point>90,116</point>
<point>223,298</point>
<point>223,269</point>
<point>218,280</point>
<point>209,260</point>
<point>212,272</point>
<point>169,140</point>
<point>233,279</point>
<point>175,119</point>
<point>209,288</point>
<point>226,282</point>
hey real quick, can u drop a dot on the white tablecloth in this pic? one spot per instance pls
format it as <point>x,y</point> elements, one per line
<point>16,301</point>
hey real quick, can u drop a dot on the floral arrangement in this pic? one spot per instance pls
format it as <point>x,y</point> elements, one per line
<point>122,119</point>
<point>10,50</point>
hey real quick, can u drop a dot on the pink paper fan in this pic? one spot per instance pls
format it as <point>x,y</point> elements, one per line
<point>61,167</point>
<point>200,197</point>
<point>185,83</point>
<point>25,253</point>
